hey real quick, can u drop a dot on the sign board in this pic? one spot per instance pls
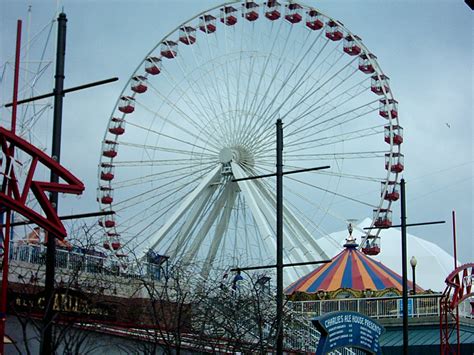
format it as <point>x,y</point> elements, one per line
<point>348,329</point>
<point>410,307</point>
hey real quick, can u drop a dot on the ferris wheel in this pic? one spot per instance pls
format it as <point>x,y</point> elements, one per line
<point>199,112</point>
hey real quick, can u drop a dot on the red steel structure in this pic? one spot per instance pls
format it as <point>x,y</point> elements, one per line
<point>17,199</point>
<point>458,289</point>
<point>14,197</point>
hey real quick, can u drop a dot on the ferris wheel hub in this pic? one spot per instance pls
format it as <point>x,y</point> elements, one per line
<point>226,155</point>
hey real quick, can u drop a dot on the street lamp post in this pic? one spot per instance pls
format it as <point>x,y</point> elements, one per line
<point>413,263</point>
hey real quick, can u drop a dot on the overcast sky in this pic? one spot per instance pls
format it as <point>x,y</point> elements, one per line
<point>425,47</point>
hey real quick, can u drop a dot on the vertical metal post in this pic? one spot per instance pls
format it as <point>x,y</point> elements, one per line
<point>6,240</point>
<point>454,241</point>
<point>17,75</point>
<point>279,235</point>
<point>404,267</point>
<point>46,339</point>
<point>414,300</point>
<point>4,294</point>
<point>458,348</point>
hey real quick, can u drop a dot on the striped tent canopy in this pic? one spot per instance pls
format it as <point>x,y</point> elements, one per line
<point>350,269</point>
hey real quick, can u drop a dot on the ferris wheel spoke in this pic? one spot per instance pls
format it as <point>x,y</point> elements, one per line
<point>311,93</point>
<point>334,193</point>
<point>330,103</point>
<point>339,119</point>
<point>167,120</point>
<point>237,118</point>
<point>155,162</point>
<point>338,156</point>
<point>146,147</point>
<point>351,93</point>
<point>158,215</point>
<point>302,53</point>
<point>150,222</point>
<point>318,206</point>
<point>146,198</point>
<point>194,104</point>
<point>279,65</point>
<point>174,122</point>
<point>176,139</point>
<point>339,174</point>
<point>301,145</point>
<point>217,92</point>
<point>161,176</point>
<point>199,87</point>
<point>297,236</point>
<point>152,195</point>
<point>260,110</point>
<point>300,81</point>
<point>268,137</point>
<point>266,231</point>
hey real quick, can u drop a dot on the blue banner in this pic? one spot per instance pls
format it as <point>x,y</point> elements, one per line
<point>348,329</point>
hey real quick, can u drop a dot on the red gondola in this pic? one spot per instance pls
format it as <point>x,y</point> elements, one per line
<point>334,31</point>
<point>293,13</point>
<point>395,134</point>
<point>107,172</point>
<point>207,24</point>
<point>110,150</point>
<point>106,245</point>
<point>107,223</point>
<point>382,218</point>
<point>228,15</point>
<point>115,244</point>
<point>153,65</point>
<point>314,20</point>
<point>250,11</point>
<point>272,10</point>
<point>380,83</point>
<point>138,84</point>
<point>115,241</point>
<point>392,193</point>
<point>388,107</point>
<point>394,162</point>
<point>371,245</point>
<point>350,45</point>
<point>187,35</point>
<point>117,126</point>
<point>365,63</point>
<point>126,104</point>
<point>169,49</point>
<point>106,195</point>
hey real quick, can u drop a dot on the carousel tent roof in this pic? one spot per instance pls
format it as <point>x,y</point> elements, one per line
<point>434,263</point>
<point>349,269</point>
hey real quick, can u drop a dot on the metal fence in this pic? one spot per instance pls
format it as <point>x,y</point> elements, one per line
<point>86,262</point>
<point>387,307</point>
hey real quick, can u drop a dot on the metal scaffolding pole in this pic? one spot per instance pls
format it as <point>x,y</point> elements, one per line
<point>47,327</point>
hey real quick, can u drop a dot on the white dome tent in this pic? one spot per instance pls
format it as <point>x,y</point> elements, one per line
<point>434,264</point>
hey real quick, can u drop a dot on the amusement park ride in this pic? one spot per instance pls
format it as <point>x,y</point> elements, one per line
<point>218,81</point>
